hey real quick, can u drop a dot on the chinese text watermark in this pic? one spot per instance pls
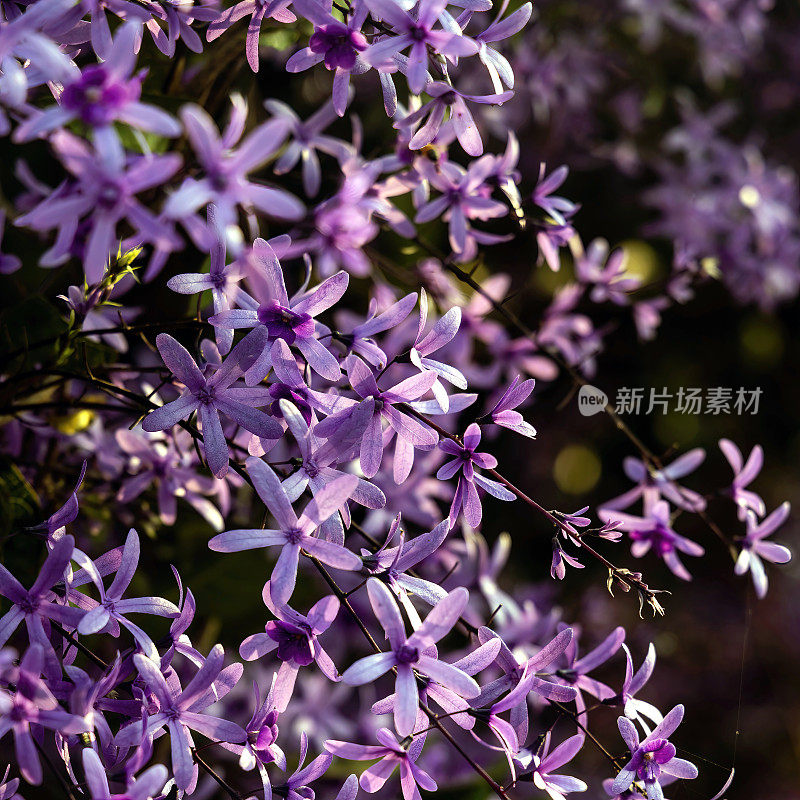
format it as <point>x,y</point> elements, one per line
<point>714,400</point>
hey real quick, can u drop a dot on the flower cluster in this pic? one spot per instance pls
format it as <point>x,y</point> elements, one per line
<point>326,396</point>
<point>112,713</point>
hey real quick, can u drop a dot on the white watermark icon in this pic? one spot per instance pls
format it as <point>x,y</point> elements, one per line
<point>713,400</point>
<point>591,400</point>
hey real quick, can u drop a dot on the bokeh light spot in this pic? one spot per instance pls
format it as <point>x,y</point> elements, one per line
<point>576,469</point>
<point>761,342</point>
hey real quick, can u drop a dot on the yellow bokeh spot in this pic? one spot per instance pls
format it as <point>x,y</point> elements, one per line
<point>576,469</point>
<point>277,39</point>
<point>666,643</point>
<point>762,342</point>
<point>549,282</point>
<point>749,196</point>
<point>74,423</point>
<point>672,428</point>
<point>641,260</point>
<point>710,266</point>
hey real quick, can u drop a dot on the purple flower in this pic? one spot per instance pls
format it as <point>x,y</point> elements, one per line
<point>179,19</point>
<point>209,397</point>
<point>258,11</point>
<point>464,197</point>
<point>574,519</point>
<point>171,464</point>
<point>755,551</point>
<point>647,316</point>
<point>295,534</point>
<point>509,733</point>
<point>546,762</point>
<point>454,706</point>
<point>359,338</point>
<point>497,65</point>
<point>559,208</point>
<point>654,531</point>
<point>652,756</point>
<point>744,473</point>
<point>662,482</point>
<point>307,138</point>
<point>606,273</point>
<point>466,459</point>
<point>8,788</point>
<point>316,471</point>
<point>726,200</point>
<point>33,704</point>
<point>176,639</point>
<point>274,316</point>
<point>425,344</point>
<point>56,523</point>
<point>393,563</point>
<point>294,639</point>
<point>148,784</point>
<point>476,327</point>
<point>290,387</point>
<point>391,755</point>
<point>342,228</point>
<point>112,610</point>
<point>410,654</point>
<point>222,281</point>
<point>503,414</point>
<point>103,94</point>
<point>176,713</point>
<point>522,679</point>
<point>374,197</point>
<point>89,699</point>
<point>261,747</point>
<point>296,786</point>
<point>560,557</point>
<point>104,191</point>
<point>339,44</point>
<point>39,604</point>
<point>415,32</point>
<point>23,38</point>
<point>410,431</point>
<point>446,99</point>
<point>551,237</point>
<point>634,708</point>
<point>571,334</point>
<point>575,671</point>
<point>225,167</point>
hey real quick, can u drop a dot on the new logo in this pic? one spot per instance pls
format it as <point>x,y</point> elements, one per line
<point>591,400</point>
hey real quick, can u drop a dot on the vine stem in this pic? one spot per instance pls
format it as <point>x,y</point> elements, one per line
<point>432,717</point>
<point>624,576</point>
<point>129,329</point>
<point>90,654</point>
<point>234,794</point>
<point>650,458</point>
<point>343,597</point>
<point>62,781</point>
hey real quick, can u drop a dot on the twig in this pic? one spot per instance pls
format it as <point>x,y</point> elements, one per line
<point>92,656</point>
<point>62,781</point>
<point>624,576</point>
<point>221,782</point>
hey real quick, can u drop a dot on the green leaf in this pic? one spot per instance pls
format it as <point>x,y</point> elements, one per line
<point>18,501</point>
